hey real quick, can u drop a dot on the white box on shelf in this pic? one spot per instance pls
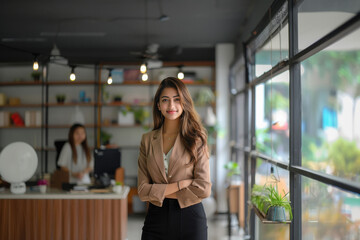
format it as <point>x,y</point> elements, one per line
<point>126,118</point>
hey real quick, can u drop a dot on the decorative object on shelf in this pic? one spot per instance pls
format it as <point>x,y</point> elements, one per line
<point>42,183</point>
<point>16,119</point>
<point>14,101</point>
<point>204,96</point>
<point>117,75</point>
<point>126,117</point>
<point>36,76</point>
<point>210,119</point>
<point>33,118</point>
<point>18,163</point>
<point>77,116</point>
<point>105,94</point>
<point>140,115</point>
<point>2,99</point>
<point>131,75</point>
<point>82,96</point>
<point>4,119</point>
<point>60,98</point>
<point>118,97</point>
<point>105,137</point>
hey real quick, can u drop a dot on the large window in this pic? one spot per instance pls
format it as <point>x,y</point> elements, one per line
<point>303,84</point>
<point>330,84</point>
<point>328,212</point>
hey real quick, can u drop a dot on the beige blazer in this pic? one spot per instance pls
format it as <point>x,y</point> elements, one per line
<point>152,178</point>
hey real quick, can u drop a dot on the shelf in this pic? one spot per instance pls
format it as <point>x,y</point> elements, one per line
<point>124,126</point>
<point>69,83</point>
<point>91,104</point>
<point>121,104</point>
<point>22,106</point>
<point>20,127</point>
<point>263,219</point>
<point>68,126</point>
<point>20,83</point>
<point>137,83</point>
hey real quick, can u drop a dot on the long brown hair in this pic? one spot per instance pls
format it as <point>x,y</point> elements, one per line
<point>192,131</point>
<point>83,144</point>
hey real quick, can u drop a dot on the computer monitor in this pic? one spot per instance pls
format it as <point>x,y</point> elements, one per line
<point>106,161</point>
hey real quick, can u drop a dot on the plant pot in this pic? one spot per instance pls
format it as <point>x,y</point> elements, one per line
<point>36,78</point>
<point>42,188</point>
<point>276,213</point>
<point>117,189</point>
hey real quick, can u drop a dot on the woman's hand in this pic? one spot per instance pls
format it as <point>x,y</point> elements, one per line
<point>78,175</point>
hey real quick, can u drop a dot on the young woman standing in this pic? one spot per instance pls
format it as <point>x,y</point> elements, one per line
<point>173,167</point>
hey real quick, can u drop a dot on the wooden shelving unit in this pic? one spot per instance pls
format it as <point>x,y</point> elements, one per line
<point>46,102</point>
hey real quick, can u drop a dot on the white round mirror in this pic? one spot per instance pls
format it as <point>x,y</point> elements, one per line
<point>18,163</point>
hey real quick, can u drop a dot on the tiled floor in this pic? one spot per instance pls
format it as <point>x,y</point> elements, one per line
<point>217,228</point>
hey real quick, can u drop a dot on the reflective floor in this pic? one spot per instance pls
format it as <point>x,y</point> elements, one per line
<point>217,226</point>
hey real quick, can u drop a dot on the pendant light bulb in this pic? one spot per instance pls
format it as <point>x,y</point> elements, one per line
<point>180,75</point>
<point>143,68</point>
<point>72,75</point>
<point>109,80</point>
<point>145,77</point>
<point>36,65</point>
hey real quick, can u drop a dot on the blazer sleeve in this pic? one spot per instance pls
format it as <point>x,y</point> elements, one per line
<point>147,190</point>
<point>200,187</point>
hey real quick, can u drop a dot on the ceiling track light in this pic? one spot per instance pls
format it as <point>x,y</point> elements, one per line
<point>109,80</point>
<point>72,75</point>
<point>36,62</point>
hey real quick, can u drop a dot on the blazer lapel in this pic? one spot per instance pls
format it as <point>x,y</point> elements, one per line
<point>158,152</point>
<point>176,154</point>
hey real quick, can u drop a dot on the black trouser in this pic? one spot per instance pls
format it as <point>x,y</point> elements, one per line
<point>170,222</point>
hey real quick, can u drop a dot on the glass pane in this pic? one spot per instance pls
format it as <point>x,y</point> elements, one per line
<point>272,117</point>
<point>331,110</point>
<point>272,231</point>
<point>328,212</point>
<point>241,138</point>
<point>274,51</point>
<point>280,179</point>
<point>316,18</point>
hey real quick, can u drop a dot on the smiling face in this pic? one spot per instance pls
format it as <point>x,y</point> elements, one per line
<point>170,104</point>
<point>79,135</point>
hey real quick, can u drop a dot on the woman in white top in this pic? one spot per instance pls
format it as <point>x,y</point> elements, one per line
<point>75,156</point>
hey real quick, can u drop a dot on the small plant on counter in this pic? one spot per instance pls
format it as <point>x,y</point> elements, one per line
<point>42,182</point>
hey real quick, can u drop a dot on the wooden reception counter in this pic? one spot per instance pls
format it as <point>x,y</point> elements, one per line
<point>63,216</point>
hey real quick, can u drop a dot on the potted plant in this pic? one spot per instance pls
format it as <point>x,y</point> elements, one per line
<point>36,75</point>
<point>117,188</point>
<point>60,98</point>
<point>118,98</point>
<point>140,115</point>
<point>105,137</point>
<point>233,171</point>
<point>277,205</point>
<point>270,203</point>
<point>42,183</point>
